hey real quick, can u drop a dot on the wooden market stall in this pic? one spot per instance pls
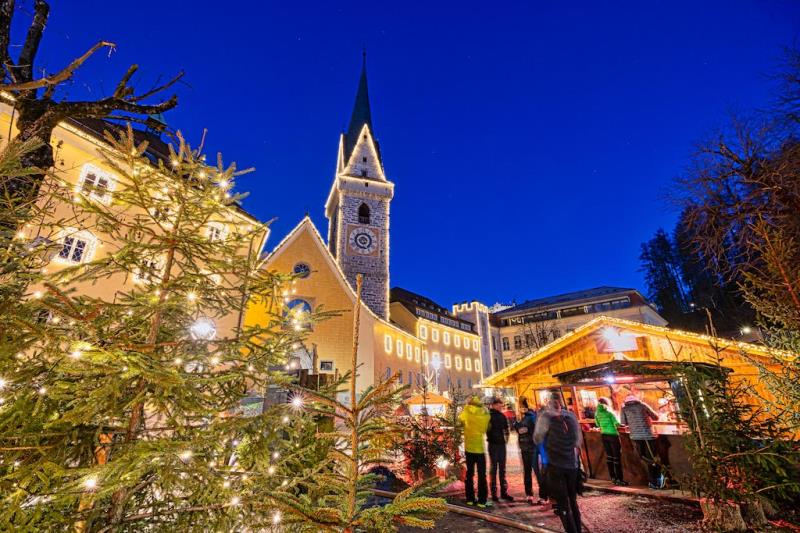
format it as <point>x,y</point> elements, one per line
<point>610,357</point>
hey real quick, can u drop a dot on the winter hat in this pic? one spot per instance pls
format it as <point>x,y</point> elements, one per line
<point>475,401</point>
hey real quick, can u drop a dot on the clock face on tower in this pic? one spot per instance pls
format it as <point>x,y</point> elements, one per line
<point>362,241</point>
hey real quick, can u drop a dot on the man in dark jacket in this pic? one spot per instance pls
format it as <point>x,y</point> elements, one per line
<point>529,452</point>
<point>559,430</point>
<point>497,437</point>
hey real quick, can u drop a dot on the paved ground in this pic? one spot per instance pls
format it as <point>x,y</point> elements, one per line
<point>601,511</point>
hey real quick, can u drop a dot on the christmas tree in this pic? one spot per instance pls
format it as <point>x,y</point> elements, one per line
<point>141,407</point>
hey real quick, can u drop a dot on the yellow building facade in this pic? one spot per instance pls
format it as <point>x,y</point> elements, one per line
<point>81,168</point>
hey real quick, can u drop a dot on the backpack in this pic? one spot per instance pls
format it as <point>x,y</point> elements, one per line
<point>560,442</point>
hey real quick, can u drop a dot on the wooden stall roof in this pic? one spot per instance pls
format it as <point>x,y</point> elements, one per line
<point>507,376</point>
<point>644,369</point>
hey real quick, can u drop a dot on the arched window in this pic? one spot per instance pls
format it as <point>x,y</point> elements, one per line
<point>363,214</point>
<point>297,314</point>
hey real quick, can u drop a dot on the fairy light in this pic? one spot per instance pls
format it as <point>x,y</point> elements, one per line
<point>178,361</point>
<point>191,296</point>
<point>224,184</point>
<point>174,161</point>
<point>20,235</point>
<point>3,383</point>
<point>215,360</point>
<point>271,470</point>
<point>276,518</point>
<point>42,391</point>
<point>298,402</point>
<point>284,483</point>
<point>235,500</point>
<point>226,484</point>
<point>250,368</point>
<point>90,483</point>
<point>245,477</point>
<point>76,354</point>
<point>285,419</point>
<point>37,294</point>
<point>185,455</point>
<point>276,455</point>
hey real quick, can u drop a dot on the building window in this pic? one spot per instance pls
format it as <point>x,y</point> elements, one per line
<point>494,343</point>
<point>388,372</point>
<point>216,231</point>
<point>458,363</point>
<point>76,247</point>
<point>496,364</point>
<point>435,335</point>
<point>446,338</point>
<point>326,366</point>
<point>468,364</point>
<point>363,210</point>
<point>410,377</point>
<point>447,360</point>
<point>417,352</point>
<point>400,377</point>
<point>423,331</point>
<point>148,271</point>
<point>457,341</point>
<point>449,382</point>
<point>517,342</point>
<point>409,352</point>
<point>425,357</point>
<point>505,344</point>
<point>469,383</point>
<point>96,184</point>
<point>301,270</point>
<point>477,365</point>
<point>387,343</point>
<point>364,159</point>
<point>475,344</point>
<point>399,348</point>
<point>459,383</point>
<point>298,313</point>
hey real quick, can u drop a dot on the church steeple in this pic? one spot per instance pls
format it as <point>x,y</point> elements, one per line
<point>361,116</point>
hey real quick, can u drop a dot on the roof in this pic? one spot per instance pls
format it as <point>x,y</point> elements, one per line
<point>503,377</point>
<point>424,307</point>
<point>307,225</point>
<point>605,373</point>
<point>576,296</point>
<point>362,114</point>
<point>430,397</point>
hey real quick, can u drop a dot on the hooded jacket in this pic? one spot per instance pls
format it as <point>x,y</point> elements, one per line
<point>606,420</point>
<point>638,417</point>
<point>525,428</point>
<point>475,418</point>
<point>497,433</point>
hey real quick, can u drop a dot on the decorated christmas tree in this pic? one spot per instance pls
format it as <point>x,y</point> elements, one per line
<point>132,395</point>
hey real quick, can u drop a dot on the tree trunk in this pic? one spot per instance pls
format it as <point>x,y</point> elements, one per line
<point>722,516</point>
<point>754,516</point>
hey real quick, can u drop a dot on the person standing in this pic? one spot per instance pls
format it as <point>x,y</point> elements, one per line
<point>607,421</point>
<point>639,417</point>
<point>497,436</point>
<point>475,418</point>
<point>529,452</point>
<point>559,430</point>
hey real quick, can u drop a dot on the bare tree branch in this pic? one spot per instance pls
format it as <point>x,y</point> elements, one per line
<point>25,63</point>
<point>61,76</point>
<point>6,13</point>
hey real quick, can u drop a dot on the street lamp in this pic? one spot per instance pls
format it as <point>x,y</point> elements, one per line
<point>436,365</point>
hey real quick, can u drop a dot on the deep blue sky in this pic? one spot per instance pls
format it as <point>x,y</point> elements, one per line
<point>531,142</point>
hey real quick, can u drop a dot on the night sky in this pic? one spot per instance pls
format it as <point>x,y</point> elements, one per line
<point>532,144</point>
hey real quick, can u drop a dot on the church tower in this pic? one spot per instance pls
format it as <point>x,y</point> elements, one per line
<point>358,206</point>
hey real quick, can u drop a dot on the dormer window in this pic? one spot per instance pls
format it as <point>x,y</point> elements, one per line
<point>363,214</point>
<point>364,173</point>
<point>96,184</point>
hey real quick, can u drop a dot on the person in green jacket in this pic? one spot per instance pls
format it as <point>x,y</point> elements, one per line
<point>607,421</point>
<point>475,418</point>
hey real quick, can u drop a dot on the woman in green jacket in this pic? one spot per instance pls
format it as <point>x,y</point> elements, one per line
<point>607,421</point>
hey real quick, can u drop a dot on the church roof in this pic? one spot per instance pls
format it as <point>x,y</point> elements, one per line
<point>362,114</point>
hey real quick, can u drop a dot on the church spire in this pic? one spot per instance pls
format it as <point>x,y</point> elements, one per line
<point>361,115</point>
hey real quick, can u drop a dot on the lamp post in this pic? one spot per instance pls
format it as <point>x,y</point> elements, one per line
<point>436,365</point>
